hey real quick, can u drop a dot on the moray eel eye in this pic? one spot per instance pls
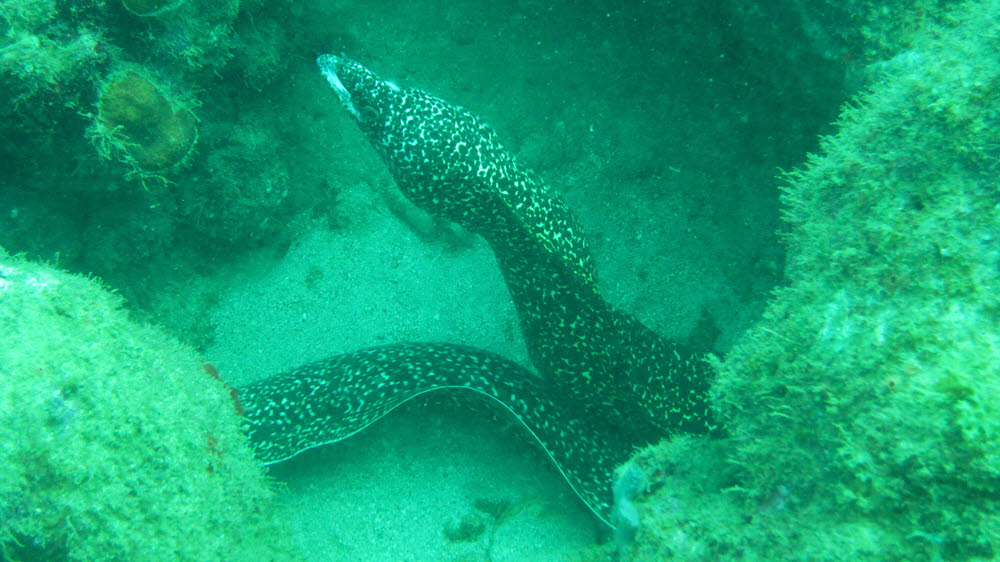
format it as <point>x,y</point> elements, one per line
<point>368,113</point>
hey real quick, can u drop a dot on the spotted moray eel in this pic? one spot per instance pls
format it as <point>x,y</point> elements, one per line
<point>605,384</point>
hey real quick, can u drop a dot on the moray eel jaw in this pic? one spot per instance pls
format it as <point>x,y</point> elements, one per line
<point>328,65</point>
<point>367,97</point>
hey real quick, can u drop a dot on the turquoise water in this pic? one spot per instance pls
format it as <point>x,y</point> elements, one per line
<point>192,156</point>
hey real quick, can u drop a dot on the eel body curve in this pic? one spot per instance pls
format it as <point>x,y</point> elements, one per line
<point>609,366</point>
<point>606,384</point>
<point>330,400</point>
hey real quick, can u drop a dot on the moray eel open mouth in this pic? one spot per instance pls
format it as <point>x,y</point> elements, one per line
<point>328,65</point>
<point>361,93</point>
<point>606,384</point>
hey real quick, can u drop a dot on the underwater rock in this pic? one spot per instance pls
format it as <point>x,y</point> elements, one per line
<point>117,444</point>
<point>863,410</point>
<point>138,119</point>
<point>239,192</point>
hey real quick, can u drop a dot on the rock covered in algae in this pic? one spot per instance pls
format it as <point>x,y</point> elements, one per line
<point>141,120</point>
<point>864,409</point>
<point>114,442</point>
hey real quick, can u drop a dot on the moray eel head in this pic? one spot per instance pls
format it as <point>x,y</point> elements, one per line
<point>439,153</point>
<point>368,98</point>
